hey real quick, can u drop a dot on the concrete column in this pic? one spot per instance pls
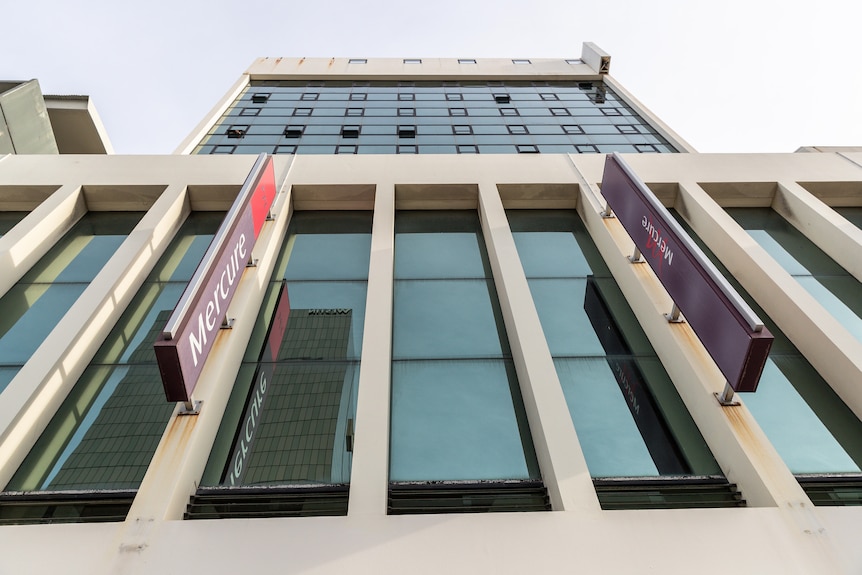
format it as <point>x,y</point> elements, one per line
<point>369,477</point>
<point>27,242</point>
<point>841,240</point>
<point>561,459</point>
<point>33,396</point>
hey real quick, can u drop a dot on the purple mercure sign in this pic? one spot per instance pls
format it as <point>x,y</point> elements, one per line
<point>729,330</point>
<point>191,330</point>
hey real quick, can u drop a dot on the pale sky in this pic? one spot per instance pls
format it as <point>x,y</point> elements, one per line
<point>731,76</point>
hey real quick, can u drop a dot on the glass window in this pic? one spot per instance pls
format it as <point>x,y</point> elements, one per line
<point>466,61</point>
<point>106,431</point>
<point>8,220</point>
<point>357,61</point>
<point>412,61</point>
<point>836,290</point>
<point>522,61</point>
<point>34,305</point>
<point>462,130</point>
<point>305,349</point>
<point>457,412</point>
<point>627,414</point>
<point>809,425</point>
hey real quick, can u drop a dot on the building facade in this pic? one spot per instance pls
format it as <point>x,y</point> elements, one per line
<point>441,355</point>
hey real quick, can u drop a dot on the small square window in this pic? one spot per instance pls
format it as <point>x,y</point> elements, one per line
<point>517,129</point>
<point>574,61</point>
<point>358,96</point>
<point>406,131</point>
<point>302,111</point>
<point>627,129</point>
<point>223,150</point>
<point>237,130</point>
<point>357,61</point>
<point>457,111</point>
<point>310,96</point>
<point>345,149</point>
<point>466,61</point>
<point>572,129</point>
<point>509,112</point>
<point>521,61</point>
<point>527,149</point>
<point>407,149</point>
<point>284,150</point>
<point>611,111</point>
<point>412,60</point>
<point>560,112</point>
<point>454,97</point>
<point>406,111</point>
<point>406,96</point>
<point>260,97</point>
<point>646,148</point>
<point>548,96</point>
<point>349,131</point>
<point>354,112</point>
<point>502,98</point>
<point>249,112</point>
<point>468,149</point>
<point>587,149</point>
<point>293,131</point>
<point>462,130</point>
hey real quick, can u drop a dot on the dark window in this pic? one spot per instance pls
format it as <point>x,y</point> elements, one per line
<point>237,131</point>
<point>518,129</point>
<point>412,60</point>
<point>358,96</point>
<point>354,112</point>
<point>645,148</point>
<point>585,85</point>
<point>462,130</point>
<point>302,111</point>
<point>350,131</point>
<point>509,112</point>
<point>521,61</point>
<point>249,112</point>
<point>611,111</point>
<point>406,96</point>
<point>406,111</point>
<point>502,98</point>
<point>284,150</point>
<point>357,61</point>
<point>587,149</point>
<point>260,98</point>
<point>223,150</point>
<point>345,149</point>
<point>468,149</point>
<point>457,111</point>
<point>293,131</point>
<point>547,96</point>
<point>408,149</point>
<point>560,112</point>
<point>572,129</point>
<point>527,149</point>
<point>310,96</point>
<point>626,129</point>
<point>466,61</point>
<point>406,131</point>
<point>454,97</point>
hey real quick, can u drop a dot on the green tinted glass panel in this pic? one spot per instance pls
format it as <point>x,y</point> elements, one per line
<point>106,431</point>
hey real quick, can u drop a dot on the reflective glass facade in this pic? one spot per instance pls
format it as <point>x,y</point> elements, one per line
<point>290,418</point>
<point>836,290</point>
<point>34,305</point>
<point>333,117</point>
<point>456,408</point>
<point>105,432</point>
<point>629,419</point>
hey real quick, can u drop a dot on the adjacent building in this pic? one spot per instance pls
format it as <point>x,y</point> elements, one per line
<point>441,353</point>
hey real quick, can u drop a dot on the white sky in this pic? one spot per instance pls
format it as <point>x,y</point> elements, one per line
<point>731,76</point>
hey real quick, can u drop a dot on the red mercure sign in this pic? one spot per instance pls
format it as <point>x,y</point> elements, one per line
<point>191,330</point>
<point>729,330</point>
